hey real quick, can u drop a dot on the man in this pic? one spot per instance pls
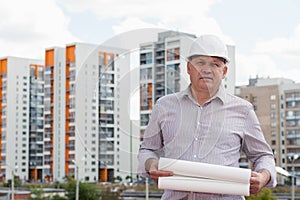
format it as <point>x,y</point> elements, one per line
<point>205,124</point>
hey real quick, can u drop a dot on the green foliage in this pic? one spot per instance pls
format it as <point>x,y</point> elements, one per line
<point>264,194</point>
<point>128,178</point>
<point>86,190</point>
<point>17,183</point>
<point>57,197</point>
<point>117,179</point>
<point>37,194</point>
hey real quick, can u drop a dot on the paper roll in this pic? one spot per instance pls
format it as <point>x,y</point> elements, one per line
<point>204,170</point>
<point>203,185</point>
<point>203,177</point>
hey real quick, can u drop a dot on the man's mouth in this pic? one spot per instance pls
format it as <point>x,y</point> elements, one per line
<point>206,78</point>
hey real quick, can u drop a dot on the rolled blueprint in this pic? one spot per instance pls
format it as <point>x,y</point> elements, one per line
<point>203,185</point>
<point>205,170</point>
<point>203,177</point>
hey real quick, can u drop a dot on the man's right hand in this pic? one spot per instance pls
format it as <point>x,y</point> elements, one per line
<point>152,168</point>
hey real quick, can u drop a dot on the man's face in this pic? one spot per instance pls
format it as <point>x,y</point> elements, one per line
<point>206,73</point>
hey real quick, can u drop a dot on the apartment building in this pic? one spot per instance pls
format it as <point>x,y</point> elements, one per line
<point>73,113</point>
<point>86,112</point>
<point>54,114</point>
<point>36,122</point>
<point>163,70</point>
<point>291,119</point>
<point>21,128</point>
<point>277,105</point>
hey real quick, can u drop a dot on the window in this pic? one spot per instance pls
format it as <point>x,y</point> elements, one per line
<point>173,54</point>
<point>273,115</point>
<point>273,106</point>
<point>254,107</point>
<point>273,142</point>
<point>273,97</point>
<point>146,58</point>
<point>254,99</point>
<point>273,133</point>
<point>273,124</point>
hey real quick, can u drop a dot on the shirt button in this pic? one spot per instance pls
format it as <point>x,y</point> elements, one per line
<point>195,156</point>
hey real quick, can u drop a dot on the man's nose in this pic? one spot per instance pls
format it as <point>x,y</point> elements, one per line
<point>204,69</point>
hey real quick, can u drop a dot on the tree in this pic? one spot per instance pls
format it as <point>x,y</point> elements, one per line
<point>117,179</point>
<point>17,183</point>
<point>128,178</point>
<point>264,194</point>
<point>38,194</point>
<point>86,190</point>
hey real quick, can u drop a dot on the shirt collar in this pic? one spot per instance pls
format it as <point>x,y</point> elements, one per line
<point>219,95</point>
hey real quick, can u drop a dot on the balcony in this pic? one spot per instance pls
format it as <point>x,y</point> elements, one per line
<point>47,160</point>
<point>70,146</point>
<point>293,136</point>
<point>48,146</point>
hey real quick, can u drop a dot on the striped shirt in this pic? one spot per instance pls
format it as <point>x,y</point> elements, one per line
<point>214,133</point>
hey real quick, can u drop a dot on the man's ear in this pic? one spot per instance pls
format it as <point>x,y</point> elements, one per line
<point>188,67</point>
<point>224,71</point>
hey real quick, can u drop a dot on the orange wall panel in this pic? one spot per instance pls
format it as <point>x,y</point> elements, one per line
<point>3,66</point>
<point>70,53</point>
<point>49,57</point>
<point>67,71</point>
<point>103,175</point>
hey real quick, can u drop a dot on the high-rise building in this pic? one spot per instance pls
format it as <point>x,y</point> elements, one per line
<point>21,128</point>
<point>291,130</point>
<point>54,114</point>
<point>86,112</point>
<point>36,122</point>
<point>276,102</point>
<point>163,70</point>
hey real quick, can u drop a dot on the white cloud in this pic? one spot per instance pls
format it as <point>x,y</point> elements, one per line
<point>134,23</point>
<point>28,27</point>
<point>288,48</point>
<point>250,66</point>
<point>190,16</point>
<point>277,57</point>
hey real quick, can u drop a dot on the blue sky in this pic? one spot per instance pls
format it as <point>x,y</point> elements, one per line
<point>266,33</point>
<point>251,21</point>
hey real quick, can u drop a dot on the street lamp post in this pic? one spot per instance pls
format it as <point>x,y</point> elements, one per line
<point>292,159</point>
<point>77,180</point>
<point>12,181</point>
<point>12,185</point>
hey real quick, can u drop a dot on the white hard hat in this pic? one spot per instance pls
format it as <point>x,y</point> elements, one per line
<point>209,45</point>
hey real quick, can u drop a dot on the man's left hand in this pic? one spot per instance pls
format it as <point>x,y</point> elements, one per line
<point>258,180</point>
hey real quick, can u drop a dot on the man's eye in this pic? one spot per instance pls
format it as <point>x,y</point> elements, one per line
<point>214,64</point>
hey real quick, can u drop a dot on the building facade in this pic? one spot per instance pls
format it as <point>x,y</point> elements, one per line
<point>83,112</point>
<point>68,112</point>
<point>291,119</point>
<point>54,116</point>
<point>277,105</point>
<point>21,143</point>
